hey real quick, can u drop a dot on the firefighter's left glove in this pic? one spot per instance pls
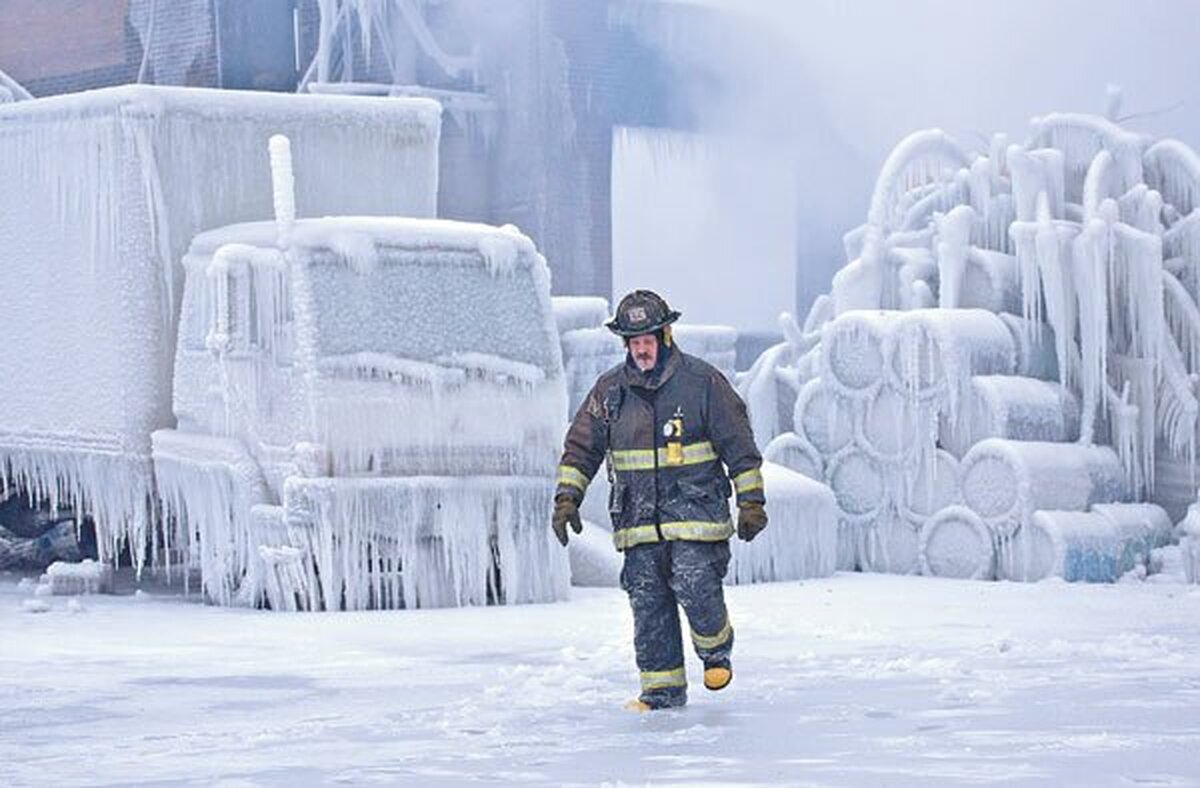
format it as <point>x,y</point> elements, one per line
<point>566,511</point>
<point>752,518</point>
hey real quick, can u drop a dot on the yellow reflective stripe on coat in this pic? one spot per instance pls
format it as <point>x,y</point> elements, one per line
<point>572,476</point>
<point>660,679</point>
<point>694,530</point>
<point>748,480</point>
<point>713,641</point>
<point>643,459</point>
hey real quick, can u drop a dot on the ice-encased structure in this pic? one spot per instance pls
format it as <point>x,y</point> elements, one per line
<point>802,538</point>
<point>1082,244</point>
<point>369,414</point>
<point>104,191</point>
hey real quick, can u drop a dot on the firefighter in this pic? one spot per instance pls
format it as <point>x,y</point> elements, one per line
<point>674,433</point>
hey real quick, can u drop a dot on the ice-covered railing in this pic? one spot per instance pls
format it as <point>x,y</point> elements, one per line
<point>1173,169</point>
<point>1079,138</point>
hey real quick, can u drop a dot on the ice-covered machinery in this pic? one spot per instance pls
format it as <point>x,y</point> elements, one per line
<point>339,408</point>
<point>369,411</point>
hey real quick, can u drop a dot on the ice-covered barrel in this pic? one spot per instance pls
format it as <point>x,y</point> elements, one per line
<point>888,543</point>
<point>859,483</point>
<point>1010,406</point>
<point>894,428</point>
<point>1098,546</point>
<point>793,452</point>
<point>931,485</point>
<point>852,351</point>
<point>932,353</point>
<point>825,418</point>
<point>801,540</point>
<point>1005,481</point>
<point>955,542</point>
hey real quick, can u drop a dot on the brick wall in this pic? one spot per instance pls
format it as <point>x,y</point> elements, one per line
<point>64,46</point>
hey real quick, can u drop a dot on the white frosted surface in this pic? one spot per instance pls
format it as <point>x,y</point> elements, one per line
<point>106,190</point>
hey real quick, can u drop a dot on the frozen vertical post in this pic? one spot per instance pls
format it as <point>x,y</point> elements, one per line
<point>283,186</point>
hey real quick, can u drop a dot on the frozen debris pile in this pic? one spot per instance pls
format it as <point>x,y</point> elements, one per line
<point>69,579</point>
<point>1029,311</point>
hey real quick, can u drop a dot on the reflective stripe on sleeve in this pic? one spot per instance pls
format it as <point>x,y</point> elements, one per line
<point>713,641</point>
<point>662,679</point>
<point>571,476</point>
<point>694,530</point>
<point>748,480</point>
<point>643,459</point>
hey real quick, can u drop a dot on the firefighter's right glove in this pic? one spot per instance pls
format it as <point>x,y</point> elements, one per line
<point>566,511</point>
<point>752,518</point>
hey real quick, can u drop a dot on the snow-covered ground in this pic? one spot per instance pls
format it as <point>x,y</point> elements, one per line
<point>855,679</point>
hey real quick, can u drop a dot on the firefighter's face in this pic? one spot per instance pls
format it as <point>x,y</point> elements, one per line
<point>644,350</point>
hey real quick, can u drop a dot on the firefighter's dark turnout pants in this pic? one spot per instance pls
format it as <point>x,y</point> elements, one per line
<point>669,504</point>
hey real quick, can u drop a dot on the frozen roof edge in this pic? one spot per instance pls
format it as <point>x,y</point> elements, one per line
<point>396,231</point>
<point>212,102</point>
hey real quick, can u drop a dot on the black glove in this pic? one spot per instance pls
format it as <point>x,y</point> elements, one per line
<point>566,510</point>
<point>752,518</point>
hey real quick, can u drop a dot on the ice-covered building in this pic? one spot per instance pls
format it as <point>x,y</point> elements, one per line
<point>532,88</point>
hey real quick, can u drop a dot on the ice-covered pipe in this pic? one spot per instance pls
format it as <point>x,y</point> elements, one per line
<point>1006,481</point>
<point>283,186</point>
<point>1077,546</point>
<point>1173,169</point>
<point>955,542</point>
<point>952,246</point>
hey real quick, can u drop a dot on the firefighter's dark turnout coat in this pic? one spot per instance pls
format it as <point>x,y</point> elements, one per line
<point>669,504</point>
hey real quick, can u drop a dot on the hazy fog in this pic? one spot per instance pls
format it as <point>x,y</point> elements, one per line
<point>816,93</point>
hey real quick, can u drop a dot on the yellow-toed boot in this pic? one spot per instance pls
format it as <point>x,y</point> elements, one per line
<point>637,705</point>
<point>718,675</point>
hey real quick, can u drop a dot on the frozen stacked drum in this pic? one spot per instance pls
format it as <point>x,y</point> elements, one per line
<point>942,433</point>
<point>1036,509</point>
